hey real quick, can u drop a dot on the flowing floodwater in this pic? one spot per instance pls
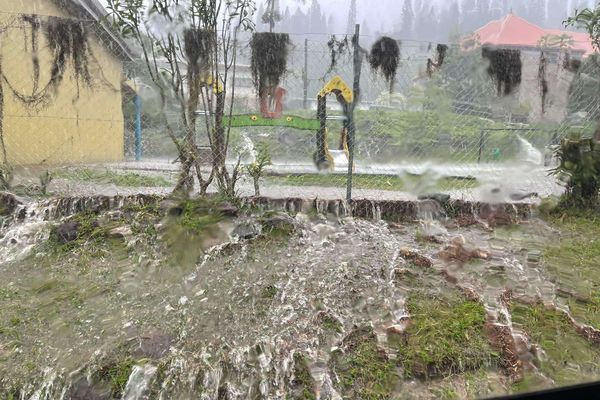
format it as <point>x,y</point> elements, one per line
<point>125,317</point>
<point>529,153</point>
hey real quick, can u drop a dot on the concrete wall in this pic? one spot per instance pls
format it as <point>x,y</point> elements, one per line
<point>79,124</point>
<point>558,79</point>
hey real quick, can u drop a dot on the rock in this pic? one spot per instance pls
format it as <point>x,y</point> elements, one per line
<point>247,230</point>
<point>67,232</point>
<point>279,221</point>
<point>121,232</point>
<point>154,346</point>
<point>414,257</point>
<point>498,214</point>
<point>8,203</point>
<point>457,251</point>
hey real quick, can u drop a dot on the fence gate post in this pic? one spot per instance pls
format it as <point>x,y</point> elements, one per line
<point>138,127</point>
<point>350,116</point>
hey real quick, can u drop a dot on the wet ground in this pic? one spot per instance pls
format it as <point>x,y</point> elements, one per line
<point>162,300</point>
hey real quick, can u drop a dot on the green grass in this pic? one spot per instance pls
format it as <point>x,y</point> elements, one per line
<point>269,292</point>
<point>364,370</point>
<point>124,179</point>
<point>331,324</point>
<point>303,381</point>
<point>117,375</point>
<point>574,263</point>
<point>379,182</point>
<point>445,336</point>
<point>570,358</point>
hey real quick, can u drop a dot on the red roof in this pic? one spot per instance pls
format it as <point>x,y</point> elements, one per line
<point>514,31</point>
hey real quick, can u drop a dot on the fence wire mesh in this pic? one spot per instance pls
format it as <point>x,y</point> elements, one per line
<point>438,128</point>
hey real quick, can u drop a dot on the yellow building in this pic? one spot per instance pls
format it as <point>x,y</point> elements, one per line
<point>61,77</point>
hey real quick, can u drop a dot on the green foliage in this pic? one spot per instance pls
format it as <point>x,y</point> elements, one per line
<point>303,381</point>
<point>118,375</point>
<point>380,182</point>
<point>580,162</point>
<point>88,232</point>
<point>331,324</point>
<point>588,19</point>
<point>269,292</point>
<point>199,215</point>
<point>446,336</point>
<point>128,179</point>
<point>256,170</point>
<point>364,370</point>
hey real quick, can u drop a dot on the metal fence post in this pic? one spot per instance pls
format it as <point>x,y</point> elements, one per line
<point>138,127</point>
<point>350,116</point>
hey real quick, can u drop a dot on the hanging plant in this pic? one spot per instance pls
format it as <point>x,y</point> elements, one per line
<point>542,80</point>
<point>442,51</point>
<point>336,49</point>
<point>385,57</point>
<point>67,42</point>
<point>505,68</point>
<point>199,45</point>
<point>269,60</point>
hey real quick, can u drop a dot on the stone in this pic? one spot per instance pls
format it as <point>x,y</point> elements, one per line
<point>246,230</point>
<point>498,214</point>
<point>121,232</point>
<point>279,221</point>
<point>67,232</point>
<point>414,257</point>
<point>457,250</point>
<point>8,203</point>
<point>154,346</point>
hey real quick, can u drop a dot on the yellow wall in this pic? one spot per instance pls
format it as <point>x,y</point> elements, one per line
<point>70,128</point>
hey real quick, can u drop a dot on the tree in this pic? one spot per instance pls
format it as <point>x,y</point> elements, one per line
<point>272,14</point>
<point>189,53</point>
<point>351,17</point>
<point>588,19</point>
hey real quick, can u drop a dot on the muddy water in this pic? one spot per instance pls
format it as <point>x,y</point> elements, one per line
<point>154,325</point>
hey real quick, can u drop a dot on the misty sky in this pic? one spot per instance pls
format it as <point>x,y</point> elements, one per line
<point>377,13</point>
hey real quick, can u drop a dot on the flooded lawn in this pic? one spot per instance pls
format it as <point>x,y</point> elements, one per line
<point>196,299</point>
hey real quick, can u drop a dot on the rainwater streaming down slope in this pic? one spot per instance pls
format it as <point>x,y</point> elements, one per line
<point>265,317</point>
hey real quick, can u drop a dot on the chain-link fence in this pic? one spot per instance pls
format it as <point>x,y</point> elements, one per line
<point>441,125</point>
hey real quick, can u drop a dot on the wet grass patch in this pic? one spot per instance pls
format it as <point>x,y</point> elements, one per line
<point>331,324</point>
<point>109,177</point>
<point>445,336</point>
<point>364,370</point>
<point>189,225</point>
<point>377,182</point>
<point>303,384</point>
<point>569,358</point>
<point>117,374</point>
<point>573,262</point>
